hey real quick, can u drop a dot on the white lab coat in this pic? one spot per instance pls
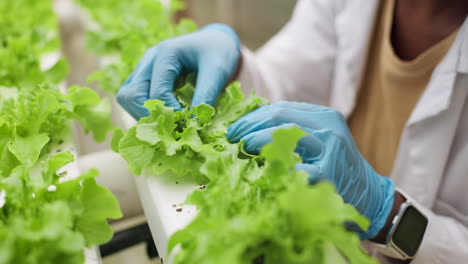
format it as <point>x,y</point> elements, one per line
<point>319,57</point>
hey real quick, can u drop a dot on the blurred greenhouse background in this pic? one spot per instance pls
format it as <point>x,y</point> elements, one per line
<point>255,21</point>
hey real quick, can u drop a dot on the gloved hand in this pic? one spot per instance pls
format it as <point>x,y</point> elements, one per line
<point>328,152</point>
<point>213,52</point>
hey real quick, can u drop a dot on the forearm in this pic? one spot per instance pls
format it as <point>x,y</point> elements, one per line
<point>398,201</point>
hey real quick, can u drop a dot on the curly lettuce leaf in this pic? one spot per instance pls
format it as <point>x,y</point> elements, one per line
<point>98,205</point>
<point>35,119</point>
<point>27,149</point>
<point>93,113</point>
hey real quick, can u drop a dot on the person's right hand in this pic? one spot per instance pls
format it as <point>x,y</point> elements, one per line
<point>213,52</point>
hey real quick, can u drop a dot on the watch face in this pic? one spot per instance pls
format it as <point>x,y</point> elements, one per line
<point>410,231</point>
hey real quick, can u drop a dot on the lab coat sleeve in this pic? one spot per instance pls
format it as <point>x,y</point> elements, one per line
<point>297,64</point>
<point>445,241</point>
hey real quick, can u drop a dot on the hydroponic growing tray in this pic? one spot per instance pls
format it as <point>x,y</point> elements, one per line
<point>163,202</point>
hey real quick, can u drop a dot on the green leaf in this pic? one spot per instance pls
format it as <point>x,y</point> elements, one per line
<point>332,255</point>
<point>27,149</point>
<point>93,113</point>
<point>204,113</point>
<point>50,167</point>
<point>285,142</point>
<point>231,105</point>
<point>139,153</point>
<point>98,204</point>
<point>185,94</point>
<point>58,72</point>
<point>118,135</point>
<point>96,119</point>
<point>82,96</point>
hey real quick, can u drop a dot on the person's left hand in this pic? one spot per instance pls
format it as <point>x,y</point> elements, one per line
<point>328,152</point>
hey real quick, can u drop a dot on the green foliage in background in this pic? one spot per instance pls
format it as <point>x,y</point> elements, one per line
<point>46,219</point>
<point>124,30</point>
<point>45,113</point>
<point>28,30</point>
<point>45,215</point>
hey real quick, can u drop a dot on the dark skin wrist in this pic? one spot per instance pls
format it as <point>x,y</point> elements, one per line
<point>381,237</point>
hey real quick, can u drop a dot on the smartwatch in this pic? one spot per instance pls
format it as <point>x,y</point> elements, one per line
<point>406,233</point>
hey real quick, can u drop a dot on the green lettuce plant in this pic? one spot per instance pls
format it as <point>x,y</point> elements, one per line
<point>28,30</point>
<point>251,209</point>
<point>45,217</point>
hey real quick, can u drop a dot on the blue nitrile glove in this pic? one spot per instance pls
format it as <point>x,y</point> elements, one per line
<point>328,153</point>
<point>212,52</point>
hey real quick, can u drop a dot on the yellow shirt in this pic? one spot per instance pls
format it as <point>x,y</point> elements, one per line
<point>390,90</point>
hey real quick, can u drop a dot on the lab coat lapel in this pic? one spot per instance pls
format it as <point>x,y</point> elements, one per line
<point>463,62</point>
<point>354,28</point>
<point>425,144</point>
<point>427,139</point>
<point>436,97</point>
